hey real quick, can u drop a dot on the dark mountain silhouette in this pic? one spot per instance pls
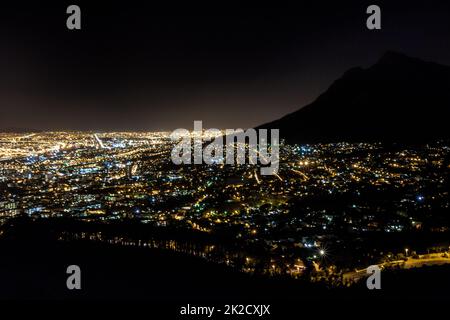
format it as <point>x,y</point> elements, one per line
<point>397,99</point>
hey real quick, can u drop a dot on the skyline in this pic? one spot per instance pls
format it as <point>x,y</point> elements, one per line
<point>130,70</point>
<point>396,59</point>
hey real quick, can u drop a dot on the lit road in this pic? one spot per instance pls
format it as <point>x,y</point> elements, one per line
<point>431,260</point>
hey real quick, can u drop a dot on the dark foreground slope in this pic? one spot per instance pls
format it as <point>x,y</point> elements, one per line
<point>397,99</point>
<point>33,267</point>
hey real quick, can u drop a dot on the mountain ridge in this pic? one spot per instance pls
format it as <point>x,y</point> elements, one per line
<point>384,102</point>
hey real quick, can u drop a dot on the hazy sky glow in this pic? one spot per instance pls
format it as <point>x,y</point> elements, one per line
<point>151,68</point>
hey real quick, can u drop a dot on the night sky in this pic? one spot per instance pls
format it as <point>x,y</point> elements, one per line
<point>136,67</point>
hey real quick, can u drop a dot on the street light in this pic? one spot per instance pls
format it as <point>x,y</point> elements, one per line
<point>406,251</point>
